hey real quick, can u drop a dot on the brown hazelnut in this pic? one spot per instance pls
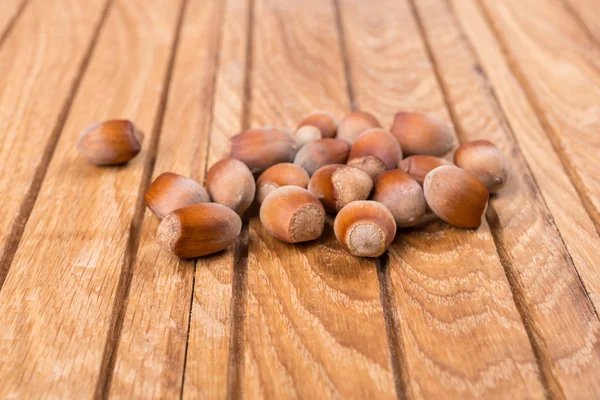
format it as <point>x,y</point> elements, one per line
<point>355,123</point>
<point>424,134</point>
<point>198,230</point>
<point>375,151</point>
<point>169,192</point>
<point>419,166</point>
<point>285,174</point>
<point>230,183</point>
<point>292,214</point>
<point>337,185</point>
<point>365,228</point>
<point>456,196</point>
<point>323,120</point>
<point>110,142</point>
<point>306,134</point>
<point>485,161</point>
<point>402,195</point>
<point>322,152</point>
<point>259,148</point>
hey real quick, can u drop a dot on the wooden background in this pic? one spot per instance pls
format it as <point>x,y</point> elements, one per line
<point>90,307</point>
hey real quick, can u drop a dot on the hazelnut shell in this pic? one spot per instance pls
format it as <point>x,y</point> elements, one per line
<point>198,230</point>
<point>419,166</point>
<point>485,161</point>
<point>306,134</point>
<point>322,152</point>
<point>337,185</point>
<point>278,175</point>
<point>456,196</point>
<point>230,183</point>
<point>110,142</point>
<point>292,214</point>
<point>169,192</point>
<point>259,148</point>
<point>424,134</point>
<point>402,195</point>
<point>323,120</point>
<point>365,228</point>
<point>375,151</point>
<point>354,124</point>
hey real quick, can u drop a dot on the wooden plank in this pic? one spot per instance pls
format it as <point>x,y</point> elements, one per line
<point>9,12</point>
<point>560,195</point>
<point>206,370</point>
<point>558,65</point>
<point>314,326</point>
<point>31,116</point>
<point>588,13</point>
<point>460,334</point>
<point>152,347</point>
<point>539,266</point>
<point>57,303</point>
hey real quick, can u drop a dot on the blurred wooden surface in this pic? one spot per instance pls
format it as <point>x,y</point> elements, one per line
<point>90,307</point>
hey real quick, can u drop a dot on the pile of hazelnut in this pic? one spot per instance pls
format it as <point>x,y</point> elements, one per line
<point>353,168</point>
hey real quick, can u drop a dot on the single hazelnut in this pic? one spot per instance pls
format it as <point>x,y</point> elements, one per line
<point>306,134</point>
<point>323,120</point>
<point>322,152</point>
<point>485,161</point>
<point>110,142</point>
<point>419,166</point>
<point>292,214</point>
<point>198,230</point>
<point>375,151</point>
<point>285,174</point>
<point>355,123</point>
<point>365,228</point>
<point>424,134</point>
<point>337,185</point>
<point>402,195</point>
<point>169,192</point>
<point>259,148</point>
<point>230,183</point>
<point>456,196</point>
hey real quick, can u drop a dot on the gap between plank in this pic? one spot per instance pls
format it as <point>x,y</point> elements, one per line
<point>18,227</point>
<point>550,132</point>
<point>124,284</point>
<point>511,132</point>
<point>551,385</point>
<point>13,22</point>
<point>239,285</point>
<point>344,51</point>
<point>217,64</point>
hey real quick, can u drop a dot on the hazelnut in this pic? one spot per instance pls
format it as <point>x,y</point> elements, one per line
<point>456,196</point>
<point>230,183</point>
<point>402,195</point>
<point>337,185</point>
<point>365,228</point>
<point>259,148</point>
<point>306,134</point>
<point>355,123</point>
<point>322,152</point>
<point>169,192</point>
<point>419,166</point>
<point>423,134</point>
<point>323,120</point>
<point>110,142</point>
<point>375,151</point>
<point>485,161</point>
<point>285,174</point>
<point>198,230</point>
<point>292,214</point>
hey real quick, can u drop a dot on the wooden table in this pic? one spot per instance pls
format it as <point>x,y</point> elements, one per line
<point>89,305</point>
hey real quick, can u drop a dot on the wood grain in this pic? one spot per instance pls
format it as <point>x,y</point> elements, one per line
<point>313,312</point>
<point>588,13</point>
<point>9,12</point>
<point>540,269</point>
<point>152,347</point>
<point>58,298</point>
<point>206,372</point>
<point>460,333</point>
<point>34,57</point>
<point>558,65</point>
<point>561,197</point>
